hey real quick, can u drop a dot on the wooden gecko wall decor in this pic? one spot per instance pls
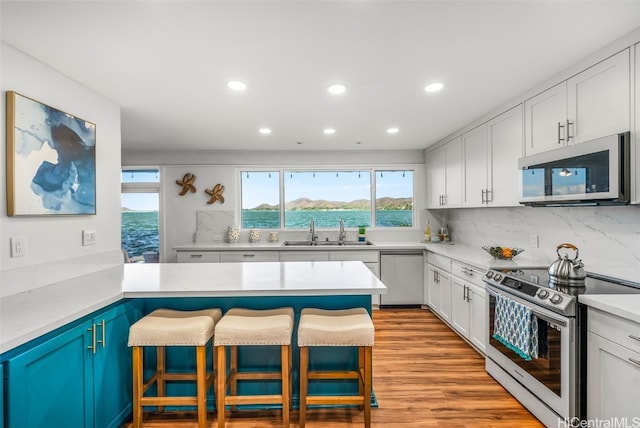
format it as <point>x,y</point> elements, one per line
<point>187,184</point>
<point>216,194</point>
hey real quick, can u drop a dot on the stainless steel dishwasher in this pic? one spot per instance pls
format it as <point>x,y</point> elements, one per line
<point>403,274</point>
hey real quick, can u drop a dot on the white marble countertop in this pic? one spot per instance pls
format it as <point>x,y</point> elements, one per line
<point>264,246</point>
<point>28,315</point>
<point>250,279</point>
<point>622,305</point>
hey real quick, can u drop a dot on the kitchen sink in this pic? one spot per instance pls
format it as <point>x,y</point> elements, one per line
<point>324,243</point>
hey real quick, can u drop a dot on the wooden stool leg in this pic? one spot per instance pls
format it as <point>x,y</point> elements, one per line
<point>221,381</point>
<point>368,378</point>
<point>201,382</point>
<point>362,373</point>
<point>161,365</point>
<point>214,370</point>
<point>286,380</point>
<point>304,383</point>
<point>137,386</point>
<point>233,371</point>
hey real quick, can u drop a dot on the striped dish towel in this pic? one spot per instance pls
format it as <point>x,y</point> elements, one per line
<point>516,327</point>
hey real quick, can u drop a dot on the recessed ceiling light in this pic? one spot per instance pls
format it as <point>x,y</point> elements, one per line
<point>434,87</point>
<point>329,131</point>
<point>337,89</point>
<point>236,85</point>
<point>264,131</point>
<point>392,130</point>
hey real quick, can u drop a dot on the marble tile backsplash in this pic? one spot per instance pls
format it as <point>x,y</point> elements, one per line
<point>608,238</point>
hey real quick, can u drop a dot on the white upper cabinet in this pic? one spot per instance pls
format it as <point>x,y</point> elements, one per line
<point>505,139</point>
<point>592,104</point>
<point>476,166</point>
<point>545,120</point>
<point>444,166</point>
<point>491,153</point>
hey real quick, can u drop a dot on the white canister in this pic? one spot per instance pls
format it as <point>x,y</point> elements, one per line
<point>233,234</point>
<point>273,237</point>
<point>254,235</point>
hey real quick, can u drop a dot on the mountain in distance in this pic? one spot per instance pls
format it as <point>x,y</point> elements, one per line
<point>301,204</point>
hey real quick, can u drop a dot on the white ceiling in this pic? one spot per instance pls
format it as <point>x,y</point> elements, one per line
<point>166,63</point>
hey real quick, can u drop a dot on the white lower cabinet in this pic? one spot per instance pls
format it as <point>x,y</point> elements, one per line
<point>439,291</point>
<point>455,292</point>
<point>613,368</point>
<point>249,256</point>
<point>198,256</point>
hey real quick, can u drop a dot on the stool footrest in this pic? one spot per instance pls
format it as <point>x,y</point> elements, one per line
<point>257,376</point>
<point>339,399</point>
<point>253,399</point>
<point>334,375</point>
<point>166,401</point>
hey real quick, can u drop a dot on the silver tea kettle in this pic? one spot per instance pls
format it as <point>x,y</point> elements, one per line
<point>567,272</point>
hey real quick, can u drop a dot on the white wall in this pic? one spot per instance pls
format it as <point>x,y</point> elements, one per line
<point>54,244</point>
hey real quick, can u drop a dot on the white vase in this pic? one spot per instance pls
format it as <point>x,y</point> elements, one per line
<point>233,234</point>
<point>254,235</point>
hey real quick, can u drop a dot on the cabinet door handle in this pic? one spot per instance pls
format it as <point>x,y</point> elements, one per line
<point>103,341</point>
<point>560,126</point>
<point>489,192</point>
<point>248,255</point>
<point>92,329</point>
<point>569,136</point>
<point>464,293</point>
<point>195,255</point>
<point>634,337</point>
<point>634,361</point>
<point>483,197</point>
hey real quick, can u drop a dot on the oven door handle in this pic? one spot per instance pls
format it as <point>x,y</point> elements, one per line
<point>547,318</point>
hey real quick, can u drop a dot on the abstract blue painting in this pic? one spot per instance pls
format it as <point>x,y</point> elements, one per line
<point>51,160</point>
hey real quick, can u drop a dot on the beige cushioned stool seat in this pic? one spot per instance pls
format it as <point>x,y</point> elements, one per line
<point>241,326</point>
<point>168,327</point>
<point>336,327</point>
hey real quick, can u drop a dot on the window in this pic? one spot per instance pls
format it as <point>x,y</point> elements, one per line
<point>260,199</point>
<point>140,213</point>
<point>326,197</point>
<point>293,198</point>
<point>394,198</point>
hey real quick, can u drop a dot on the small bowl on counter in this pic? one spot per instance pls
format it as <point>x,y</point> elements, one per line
<point>502,253</point>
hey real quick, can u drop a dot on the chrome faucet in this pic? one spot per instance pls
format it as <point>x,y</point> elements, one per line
<point>342,234</point>
<point>313,237</point>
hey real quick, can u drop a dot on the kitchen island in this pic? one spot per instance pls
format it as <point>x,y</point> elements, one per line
<point>72,336</point>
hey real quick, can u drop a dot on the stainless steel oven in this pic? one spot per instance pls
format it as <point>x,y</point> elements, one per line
<point>551,383</point>
<point>549,377</point>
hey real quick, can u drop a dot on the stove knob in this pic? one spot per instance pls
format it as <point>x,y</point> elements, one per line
<point>497,277</point>
<point>543,294</point>
<point>489,274</point>
<point>555,299</point>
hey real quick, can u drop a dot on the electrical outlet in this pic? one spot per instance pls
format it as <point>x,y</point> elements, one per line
<point>533,241</point>
<point>217,237</point>
<point>88,237</point>
<point>18,247</point>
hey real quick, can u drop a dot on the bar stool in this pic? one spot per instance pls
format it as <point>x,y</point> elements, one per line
<point>168,327</point>
<point>342,327</point>
<point>242,327</point>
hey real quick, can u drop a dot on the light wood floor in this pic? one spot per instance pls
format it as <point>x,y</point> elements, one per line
<point>424,376</point>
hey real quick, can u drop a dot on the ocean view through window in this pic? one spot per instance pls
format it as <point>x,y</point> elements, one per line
<point>140,202</point>
<point>293,198</point>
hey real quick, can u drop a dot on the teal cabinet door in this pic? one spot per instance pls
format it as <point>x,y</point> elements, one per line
<point>1,395</point>
<point>51,384</point>
<point>112,370</point>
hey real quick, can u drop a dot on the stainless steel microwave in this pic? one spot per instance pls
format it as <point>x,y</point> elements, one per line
<point>594,172</point>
